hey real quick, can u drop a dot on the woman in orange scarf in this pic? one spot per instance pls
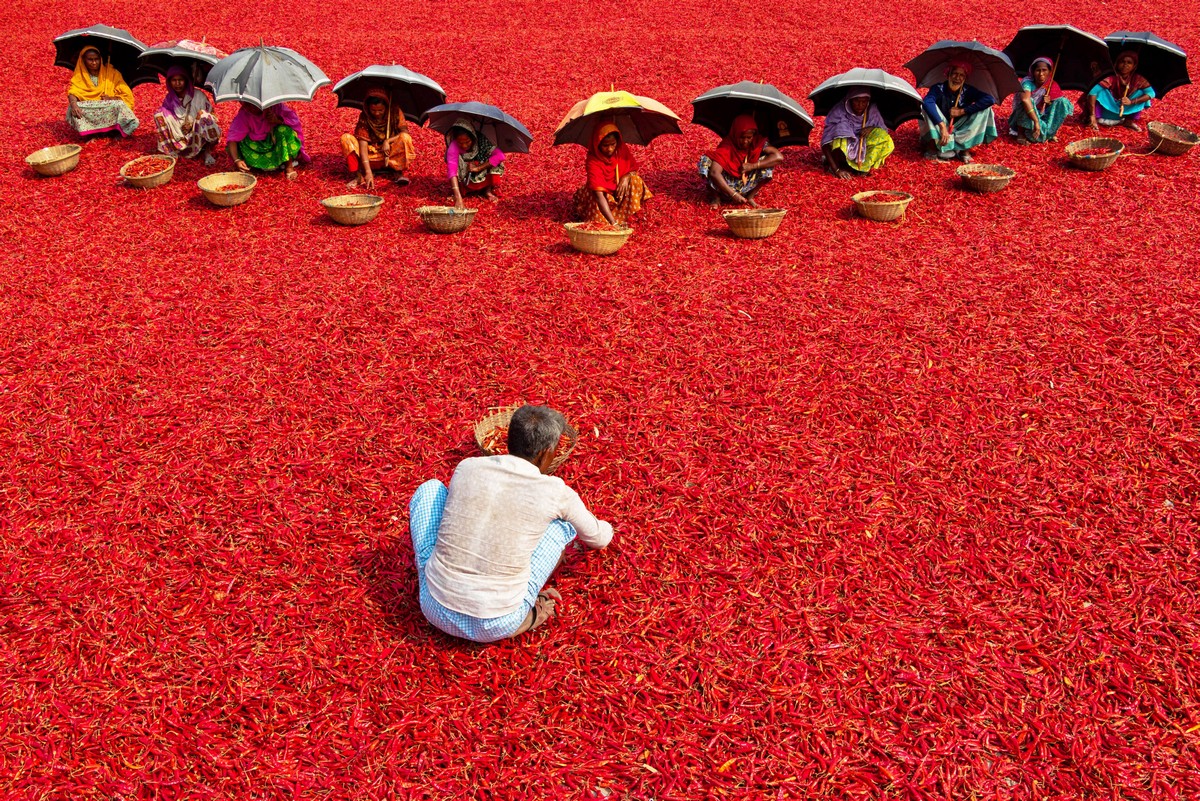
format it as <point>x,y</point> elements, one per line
<point>614,192</point>
<point>742,164</point>
<point>98,99</point>
<point>380,140</point>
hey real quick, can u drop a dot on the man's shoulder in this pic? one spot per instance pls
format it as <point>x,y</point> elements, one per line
<point>504,465</point>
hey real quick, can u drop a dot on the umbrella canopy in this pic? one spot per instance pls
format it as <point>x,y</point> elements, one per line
<point>506,132</point>
<point>897,100</point>
<point>1162,63</point>
<point>263,76</point>
<point>117,45</point>
<point>639,119</point>
<point>416,93</point>
<point>1080,58</point>
<point>780,118</point>
<point>199,57</point>
<point>991,70</point>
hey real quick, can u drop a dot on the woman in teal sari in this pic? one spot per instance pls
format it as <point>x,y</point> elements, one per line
<point>1041,108</point>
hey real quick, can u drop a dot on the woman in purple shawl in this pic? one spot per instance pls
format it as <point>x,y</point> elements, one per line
<point>855,140</point>
<point>267,139</point>
<point>185,123</point>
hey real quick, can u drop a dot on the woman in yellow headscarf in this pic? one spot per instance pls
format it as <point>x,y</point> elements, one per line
<point>98,99</point>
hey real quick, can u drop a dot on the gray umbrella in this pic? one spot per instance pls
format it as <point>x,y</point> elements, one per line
<point>504,131</point>
<point>414,92</point>
<point>117,46</point>
<point>897,100</point>
<point>991,70</point>
<point>263,76</point>
<point>780,118</point>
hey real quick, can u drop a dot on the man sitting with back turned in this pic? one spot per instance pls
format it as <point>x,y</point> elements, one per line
<point>485,547</point>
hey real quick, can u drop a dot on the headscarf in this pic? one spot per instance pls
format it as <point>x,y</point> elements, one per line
<point>480,151</point>
<point>1124,87</point>
<point>252,123</point>
<point>842,123</point>
<point>604,173</point>
<point>393,121</point>
<point>110,83</point>
<point>174,106</point>
<point>727,153</point>
<point>962,64</point>
<point>1048,91</point>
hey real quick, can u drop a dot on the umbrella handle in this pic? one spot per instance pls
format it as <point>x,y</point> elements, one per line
<point>1053,69</point>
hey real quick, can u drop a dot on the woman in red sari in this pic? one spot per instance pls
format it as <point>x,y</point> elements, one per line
<point>742,164</point>
<point>614,192</point>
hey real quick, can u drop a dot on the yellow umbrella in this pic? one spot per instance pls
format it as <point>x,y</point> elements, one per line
<point>639,119</point>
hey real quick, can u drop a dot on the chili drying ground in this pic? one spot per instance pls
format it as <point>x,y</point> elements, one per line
<point>902,511</point>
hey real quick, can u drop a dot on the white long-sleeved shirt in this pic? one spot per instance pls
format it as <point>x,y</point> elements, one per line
<point>497,510</point>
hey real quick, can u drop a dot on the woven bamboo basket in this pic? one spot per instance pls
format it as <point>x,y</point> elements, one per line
<point>882,210</point>
<point>500,417</point>
<point>353,209</point>
<point>754,223</point>
<point>446,219</point>
<point>54,160</point>
<point>1171,140</point>
<point>597,243</point>
<point>211,185</point>
<point>985,177</point>
<point>1095,163</point>
<point>149,181</point>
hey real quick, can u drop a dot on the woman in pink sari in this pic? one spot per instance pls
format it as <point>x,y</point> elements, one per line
<point>267,139</point>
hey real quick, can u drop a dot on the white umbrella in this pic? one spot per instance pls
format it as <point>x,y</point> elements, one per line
<point>263,76</point>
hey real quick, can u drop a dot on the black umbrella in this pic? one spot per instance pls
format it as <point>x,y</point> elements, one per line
<point>197,57</point>
<point>780,118</point>
<point>897,100</point>
<point>991,71</point>
<point>506,132</point>
<point>1080,59</point>
<point>116,45</point>
<point>414,92</point>
<point>1162,63</point>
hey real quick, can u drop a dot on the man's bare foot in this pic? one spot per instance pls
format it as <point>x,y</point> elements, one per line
<point>543,609</point>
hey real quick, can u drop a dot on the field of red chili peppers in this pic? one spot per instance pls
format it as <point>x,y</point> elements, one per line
<point>903,510</point>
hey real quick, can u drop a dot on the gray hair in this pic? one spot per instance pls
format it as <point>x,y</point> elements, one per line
<point>534,429</point>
